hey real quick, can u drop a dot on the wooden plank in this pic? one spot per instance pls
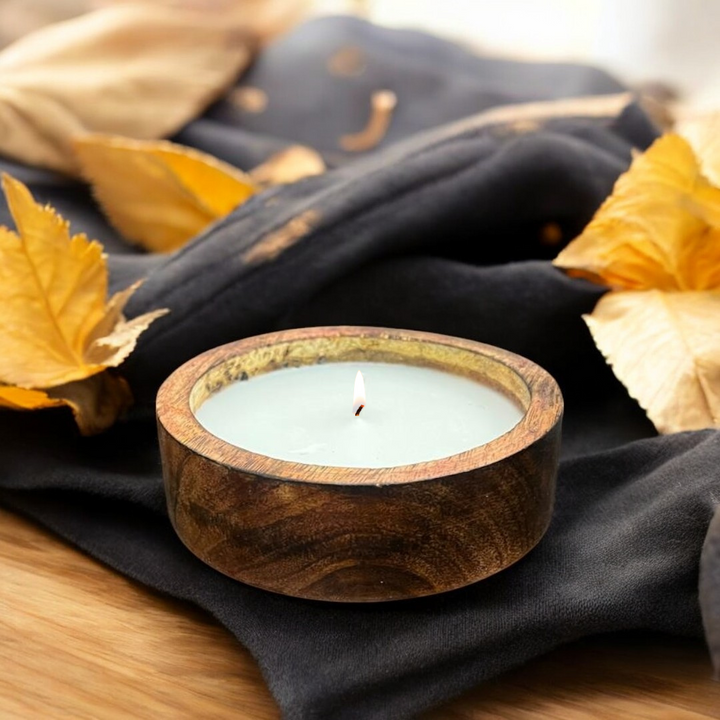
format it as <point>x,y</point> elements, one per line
<point>79,641</point>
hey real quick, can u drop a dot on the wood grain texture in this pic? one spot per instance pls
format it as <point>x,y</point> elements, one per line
<point>358,534</point>
<point>79,641</point>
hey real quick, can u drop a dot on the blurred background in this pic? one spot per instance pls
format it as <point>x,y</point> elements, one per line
<point>672,43</point>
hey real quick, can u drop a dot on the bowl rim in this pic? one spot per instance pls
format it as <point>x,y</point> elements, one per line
<point>176,417</point>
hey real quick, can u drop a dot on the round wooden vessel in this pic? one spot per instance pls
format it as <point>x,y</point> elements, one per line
<point>357,534</point>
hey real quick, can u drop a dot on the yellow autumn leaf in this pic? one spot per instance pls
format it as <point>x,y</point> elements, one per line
<point>17,398</point>
<point>658,228</point>
<point>58,331</point>
<point>158,194</point>
<point>656,243</point>
<point>95,402</point>
<point>665,348</point>
<point>161,195</point>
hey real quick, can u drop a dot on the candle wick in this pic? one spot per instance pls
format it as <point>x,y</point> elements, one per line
<point>359,410</point>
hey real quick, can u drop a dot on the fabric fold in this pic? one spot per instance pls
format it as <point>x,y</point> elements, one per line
<point>448,226</point>
<point>622,553</point>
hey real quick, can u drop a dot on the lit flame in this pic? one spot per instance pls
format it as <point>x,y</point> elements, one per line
<point>359,399</point>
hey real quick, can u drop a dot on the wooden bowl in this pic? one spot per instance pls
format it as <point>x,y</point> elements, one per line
<point>357,534</point>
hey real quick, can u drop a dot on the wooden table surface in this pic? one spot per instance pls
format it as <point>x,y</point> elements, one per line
<point>79,641</point>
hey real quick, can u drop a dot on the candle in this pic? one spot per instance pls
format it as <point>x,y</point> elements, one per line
<point>284,470</point>
<point>411,414</point>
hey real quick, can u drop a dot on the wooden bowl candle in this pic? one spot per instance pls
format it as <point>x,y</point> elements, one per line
<point>445,477</point>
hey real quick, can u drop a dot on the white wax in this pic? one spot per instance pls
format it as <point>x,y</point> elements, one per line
<point>411,415</point>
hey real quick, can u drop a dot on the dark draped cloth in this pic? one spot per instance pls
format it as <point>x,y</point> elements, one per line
<point>443,227</point>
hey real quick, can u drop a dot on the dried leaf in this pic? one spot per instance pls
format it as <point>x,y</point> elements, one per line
<point>160,194</point>
<point>117,70</point>
<point>52,291</point>
<point>382,107</point>
<point>278,241</point>
<point>665,348</point>
<point>259,19</point>
<point>59,335</point>
<point>248,99</point>
<point>17,398</point>
<point>96,402</point>
<point>703,134</point>
<point>657,240</point>
<point>288,166</point>
<point>114,337</point>
<point>660,228</point>
<point>710,590</point>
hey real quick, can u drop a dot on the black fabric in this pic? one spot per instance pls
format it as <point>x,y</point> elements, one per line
<point>435,82</point>
<point>710,590</point>
<point>441,229</point>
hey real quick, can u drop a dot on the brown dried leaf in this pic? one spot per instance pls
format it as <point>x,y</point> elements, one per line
<point>665,348</point>
<point>157,193</point>
<point>59,335</point>
<point>288,166</point>
<point>96,402</point>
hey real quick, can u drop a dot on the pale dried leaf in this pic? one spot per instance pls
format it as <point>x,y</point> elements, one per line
<point>117,70</point>
<point>113,313</point>
<point>660,228</point>
<point>665,348</point>
<point>261,20</point>
<point>160,194</point>
<point>112,349</point>
<point>288,166</point>
<point>703,134</point>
